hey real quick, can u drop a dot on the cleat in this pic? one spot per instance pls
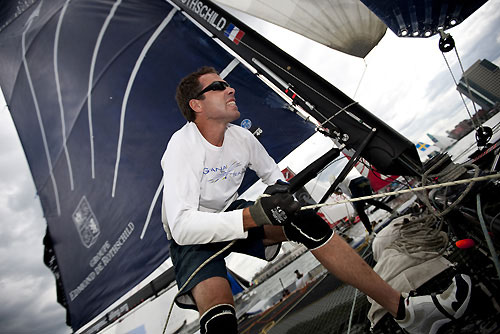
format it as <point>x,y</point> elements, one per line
<point>427,314</point>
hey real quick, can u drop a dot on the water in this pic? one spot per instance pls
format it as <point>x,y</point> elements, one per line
<point>271,290</point>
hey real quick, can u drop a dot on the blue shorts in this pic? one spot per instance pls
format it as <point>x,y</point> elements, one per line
<point>188,258</point>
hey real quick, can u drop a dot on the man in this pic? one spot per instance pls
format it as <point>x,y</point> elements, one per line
<point>301,279</point>
<point>354,186</point>
<point>203,167</point>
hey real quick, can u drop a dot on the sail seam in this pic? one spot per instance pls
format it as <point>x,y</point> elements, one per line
<point>59,96</point>
<point>91,79</point>
<point>151,207</point>
<point>37,107</point>
<point>133,75</point>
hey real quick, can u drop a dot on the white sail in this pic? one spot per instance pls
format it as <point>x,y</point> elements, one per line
<point>344,25</point>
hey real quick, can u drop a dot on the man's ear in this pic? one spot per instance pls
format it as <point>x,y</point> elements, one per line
<point>195,105</point>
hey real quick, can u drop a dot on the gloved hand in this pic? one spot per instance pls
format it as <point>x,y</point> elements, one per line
<point>309,229</point>
<point>276,209</point>
<point>279,187</point>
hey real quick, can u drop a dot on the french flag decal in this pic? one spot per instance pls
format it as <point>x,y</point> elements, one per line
<point>234,33</point>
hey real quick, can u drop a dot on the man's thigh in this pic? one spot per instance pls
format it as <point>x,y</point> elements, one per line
<point>210,292</point>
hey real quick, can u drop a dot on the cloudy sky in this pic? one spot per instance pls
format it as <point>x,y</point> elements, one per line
<point>406,84</point>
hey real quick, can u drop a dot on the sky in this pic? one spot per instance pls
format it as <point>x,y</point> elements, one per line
<point>406,83</point>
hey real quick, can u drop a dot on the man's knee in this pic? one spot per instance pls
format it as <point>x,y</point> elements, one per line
<point>219,319</point>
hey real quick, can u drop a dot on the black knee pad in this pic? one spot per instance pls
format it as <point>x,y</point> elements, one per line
<point>309,229</point>
<point>219,319</point>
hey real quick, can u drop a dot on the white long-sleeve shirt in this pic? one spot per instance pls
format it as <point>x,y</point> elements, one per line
<point>200,180</point>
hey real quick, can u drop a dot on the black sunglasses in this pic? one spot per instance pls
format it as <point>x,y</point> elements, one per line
<point>216,85</point>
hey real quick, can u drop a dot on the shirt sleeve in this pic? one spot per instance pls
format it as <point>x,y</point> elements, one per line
<point>181,177</point>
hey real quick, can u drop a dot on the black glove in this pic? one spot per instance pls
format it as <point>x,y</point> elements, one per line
<point>279,187</point>
<point>276,209</point>
<point>309,229</point>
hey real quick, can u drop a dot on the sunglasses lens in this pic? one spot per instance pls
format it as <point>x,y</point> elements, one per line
<point>219,85</point>
<point>216,85</point>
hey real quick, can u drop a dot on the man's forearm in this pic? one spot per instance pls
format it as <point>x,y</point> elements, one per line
<point>248,221</point>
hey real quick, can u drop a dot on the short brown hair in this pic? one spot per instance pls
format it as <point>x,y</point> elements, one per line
<point>187,90</point>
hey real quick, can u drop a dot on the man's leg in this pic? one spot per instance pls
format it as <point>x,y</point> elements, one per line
<point>211,292</point>
<point>208,291</point>
<point>216,306</point>
<point>342,261</point>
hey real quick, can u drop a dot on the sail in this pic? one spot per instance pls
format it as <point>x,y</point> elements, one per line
<point>90,86</point>
<point>344,25</point>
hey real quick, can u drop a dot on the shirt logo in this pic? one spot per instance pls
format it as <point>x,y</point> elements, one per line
<point>224,172</point>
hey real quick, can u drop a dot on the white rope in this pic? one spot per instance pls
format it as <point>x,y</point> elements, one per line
<point>433,186</point>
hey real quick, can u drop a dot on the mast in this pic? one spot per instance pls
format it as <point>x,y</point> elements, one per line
<point>342,117</point>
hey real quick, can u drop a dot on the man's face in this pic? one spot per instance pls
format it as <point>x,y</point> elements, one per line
<point>217,105</point>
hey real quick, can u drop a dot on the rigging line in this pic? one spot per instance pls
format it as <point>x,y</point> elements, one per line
<point>323,170</point>
<point>299,80</point>
<point>133,75</point>
<point>354,299</point>
<point>59,95</point>
<point>35,14</point>
<point>151,207</point>
<point>489,242</point>
<point>338,112</point>
<point>361,79</point>
<point>433,186</point>
<point>91,80</point>
<point>461,96</point>
<point>466,82</point>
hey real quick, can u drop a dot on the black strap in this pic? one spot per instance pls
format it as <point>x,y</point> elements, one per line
<point>440,307</point>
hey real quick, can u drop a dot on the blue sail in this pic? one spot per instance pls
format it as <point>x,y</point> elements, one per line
<point>90,86</point>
